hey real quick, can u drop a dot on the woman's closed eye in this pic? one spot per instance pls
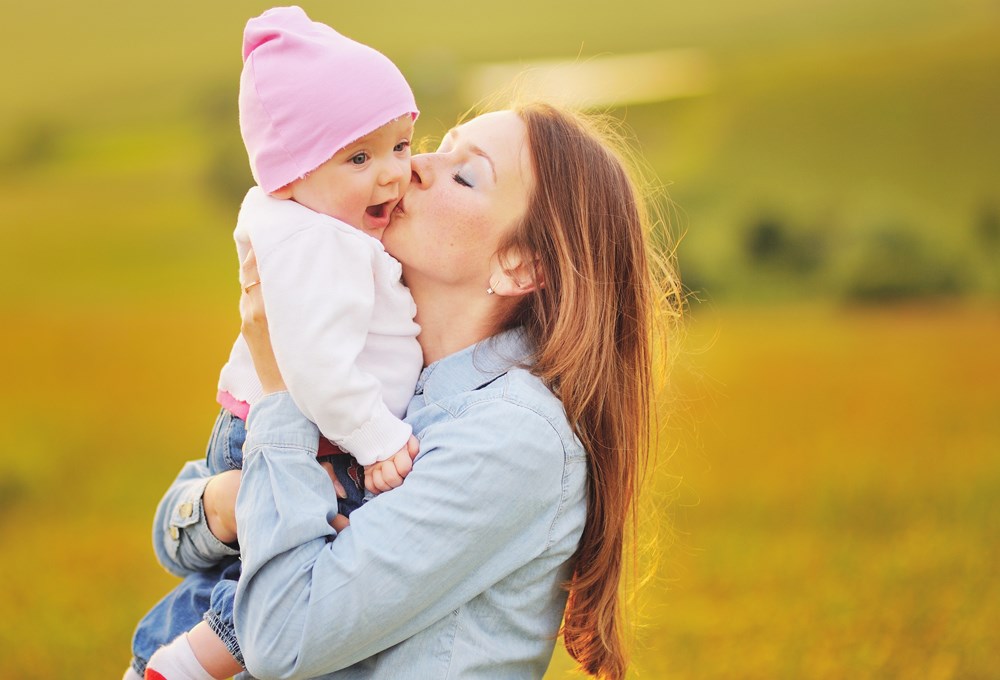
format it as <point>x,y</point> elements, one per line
<point>461,180</point>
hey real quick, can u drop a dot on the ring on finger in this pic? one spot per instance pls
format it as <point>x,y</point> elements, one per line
<point>246,288</point>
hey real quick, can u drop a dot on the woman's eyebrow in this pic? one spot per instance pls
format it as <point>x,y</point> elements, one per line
<point>478,151</point>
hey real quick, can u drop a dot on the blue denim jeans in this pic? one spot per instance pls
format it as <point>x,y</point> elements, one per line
<point>208,595</point>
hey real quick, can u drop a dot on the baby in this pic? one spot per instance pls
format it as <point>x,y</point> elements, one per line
<point>327,124</point>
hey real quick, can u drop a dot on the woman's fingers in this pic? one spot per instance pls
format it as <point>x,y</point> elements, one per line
<point>337,486</point>
<point>251,302</point>
<point>254,327</point>
<point>248,270</point>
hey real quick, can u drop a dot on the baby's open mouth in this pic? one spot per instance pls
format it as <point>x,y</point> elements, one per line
<point>378,211</point>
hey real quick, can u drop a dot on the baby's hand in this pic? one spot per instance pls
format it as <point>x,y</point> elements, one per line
<point>389,473</point>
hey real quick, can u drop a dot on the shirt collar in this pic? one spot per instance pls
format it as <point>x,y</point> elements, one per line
<point>475,366</point>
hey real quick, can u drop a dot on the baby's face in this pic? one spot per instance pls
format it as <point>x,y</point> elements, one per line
<point>364,181</point>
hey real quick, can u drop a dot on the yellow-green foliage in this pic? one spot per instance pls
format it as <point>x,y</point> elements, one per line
<point>850,119</point>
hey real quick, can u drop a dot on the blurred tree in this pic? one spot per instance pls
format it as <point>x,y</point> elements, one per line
<point>986,244</point>
<point>227,173</point>
<point>766,240</point>
<point>33,142</point>
<point>895,264</point>
<point>769,243</point>
<point>988,228</point>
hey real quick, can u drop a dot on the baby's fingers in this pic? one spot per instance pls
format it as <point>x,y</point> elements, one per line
<point>373,477</point>
<point>390,476</point>
<point>402,463</point>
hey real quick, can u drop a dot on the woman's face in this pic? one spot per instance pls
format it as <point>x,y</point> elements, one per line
<point>461,202</point>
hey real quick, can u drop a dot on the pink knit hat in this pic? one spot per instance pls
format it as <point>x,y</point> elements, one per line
<point>306,92</point>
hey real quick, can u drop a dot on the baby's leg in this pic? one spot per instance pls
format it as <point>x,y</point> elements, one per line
<point>212,653</point>
<point>197,655</point>
<point>209,649</point>
<point>225,445</point>
<point>175,614</point>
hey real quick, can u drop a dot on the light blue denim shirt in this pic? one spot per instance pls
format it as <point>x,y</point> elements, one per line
<point>458,573</point>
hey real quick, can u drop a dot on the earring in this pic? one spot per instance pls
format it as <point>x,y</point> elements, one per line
<point>490,291</point>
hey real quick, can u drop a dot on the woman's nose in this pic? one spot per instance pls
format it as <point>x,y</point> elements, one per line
<point>420,169</point>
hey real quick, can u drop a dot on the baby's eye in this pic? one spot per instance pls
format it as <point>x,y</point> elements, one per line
<point>402,146</point>
<point>359,159</point>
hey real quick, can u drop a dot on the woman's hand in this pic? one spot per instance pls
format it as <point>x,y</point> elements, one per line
<point>254,327</point>
<point>339,522</point>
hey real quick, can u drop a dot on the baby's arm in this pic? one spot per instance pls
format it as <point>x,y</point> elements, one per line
<point>319,294</point>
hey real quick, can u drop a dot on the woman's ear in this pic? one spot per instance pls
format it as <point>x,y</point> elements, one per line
<point>514,275</point>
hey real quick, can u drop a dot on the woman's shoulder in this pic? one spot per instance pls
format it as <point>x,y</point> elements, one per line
<point>489,388</point>
<point>523,388</point>
<point>517,404</point>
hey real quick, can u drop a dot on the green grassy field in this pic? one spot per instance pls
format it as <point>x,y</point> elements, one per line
<point>830,471</point>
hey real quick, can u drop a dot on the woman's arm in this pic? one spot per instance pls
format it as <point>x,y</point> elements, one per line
<point>478,505</point>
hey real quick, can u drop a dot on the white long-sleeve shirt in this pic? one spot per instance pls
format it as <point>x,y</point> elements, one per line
<point>341,325</point>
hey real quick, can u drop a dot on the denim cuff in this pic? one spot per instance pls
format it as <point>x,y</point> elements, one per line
<point>226,632</point>
<point>275,422</point>
<point>188,538</point>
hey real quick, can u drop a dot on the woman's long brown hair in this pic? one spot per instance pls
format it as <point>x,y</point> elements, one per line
<point>593,324</point>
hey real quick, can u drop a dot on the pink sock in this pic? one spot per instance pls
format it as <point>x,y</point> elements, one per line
<point>176,661</point>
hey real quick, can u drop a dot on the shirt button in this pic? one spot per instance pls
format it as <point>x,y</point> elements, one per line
<point>175,533</point>
<point>185,510</point>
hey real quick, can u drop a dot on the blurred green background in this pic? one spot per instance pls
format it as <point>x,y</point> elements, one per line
<point>827,486</point>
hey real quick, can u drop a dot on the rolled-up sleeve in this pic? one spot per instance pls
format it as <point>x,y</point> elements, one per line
<point>479,503</point>
<point>181,538</point>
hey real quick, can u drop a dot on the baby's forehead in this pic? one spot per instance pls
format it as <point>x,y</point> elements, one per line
<point>404,122</point>
<point>401,126</point>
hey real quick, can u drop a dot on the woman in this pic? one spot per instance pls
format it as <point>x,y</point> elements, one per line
<point>523,242</point>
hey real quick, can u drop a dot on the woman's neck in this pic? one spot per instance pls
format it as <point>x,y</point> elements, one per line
<point>452,319</point>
